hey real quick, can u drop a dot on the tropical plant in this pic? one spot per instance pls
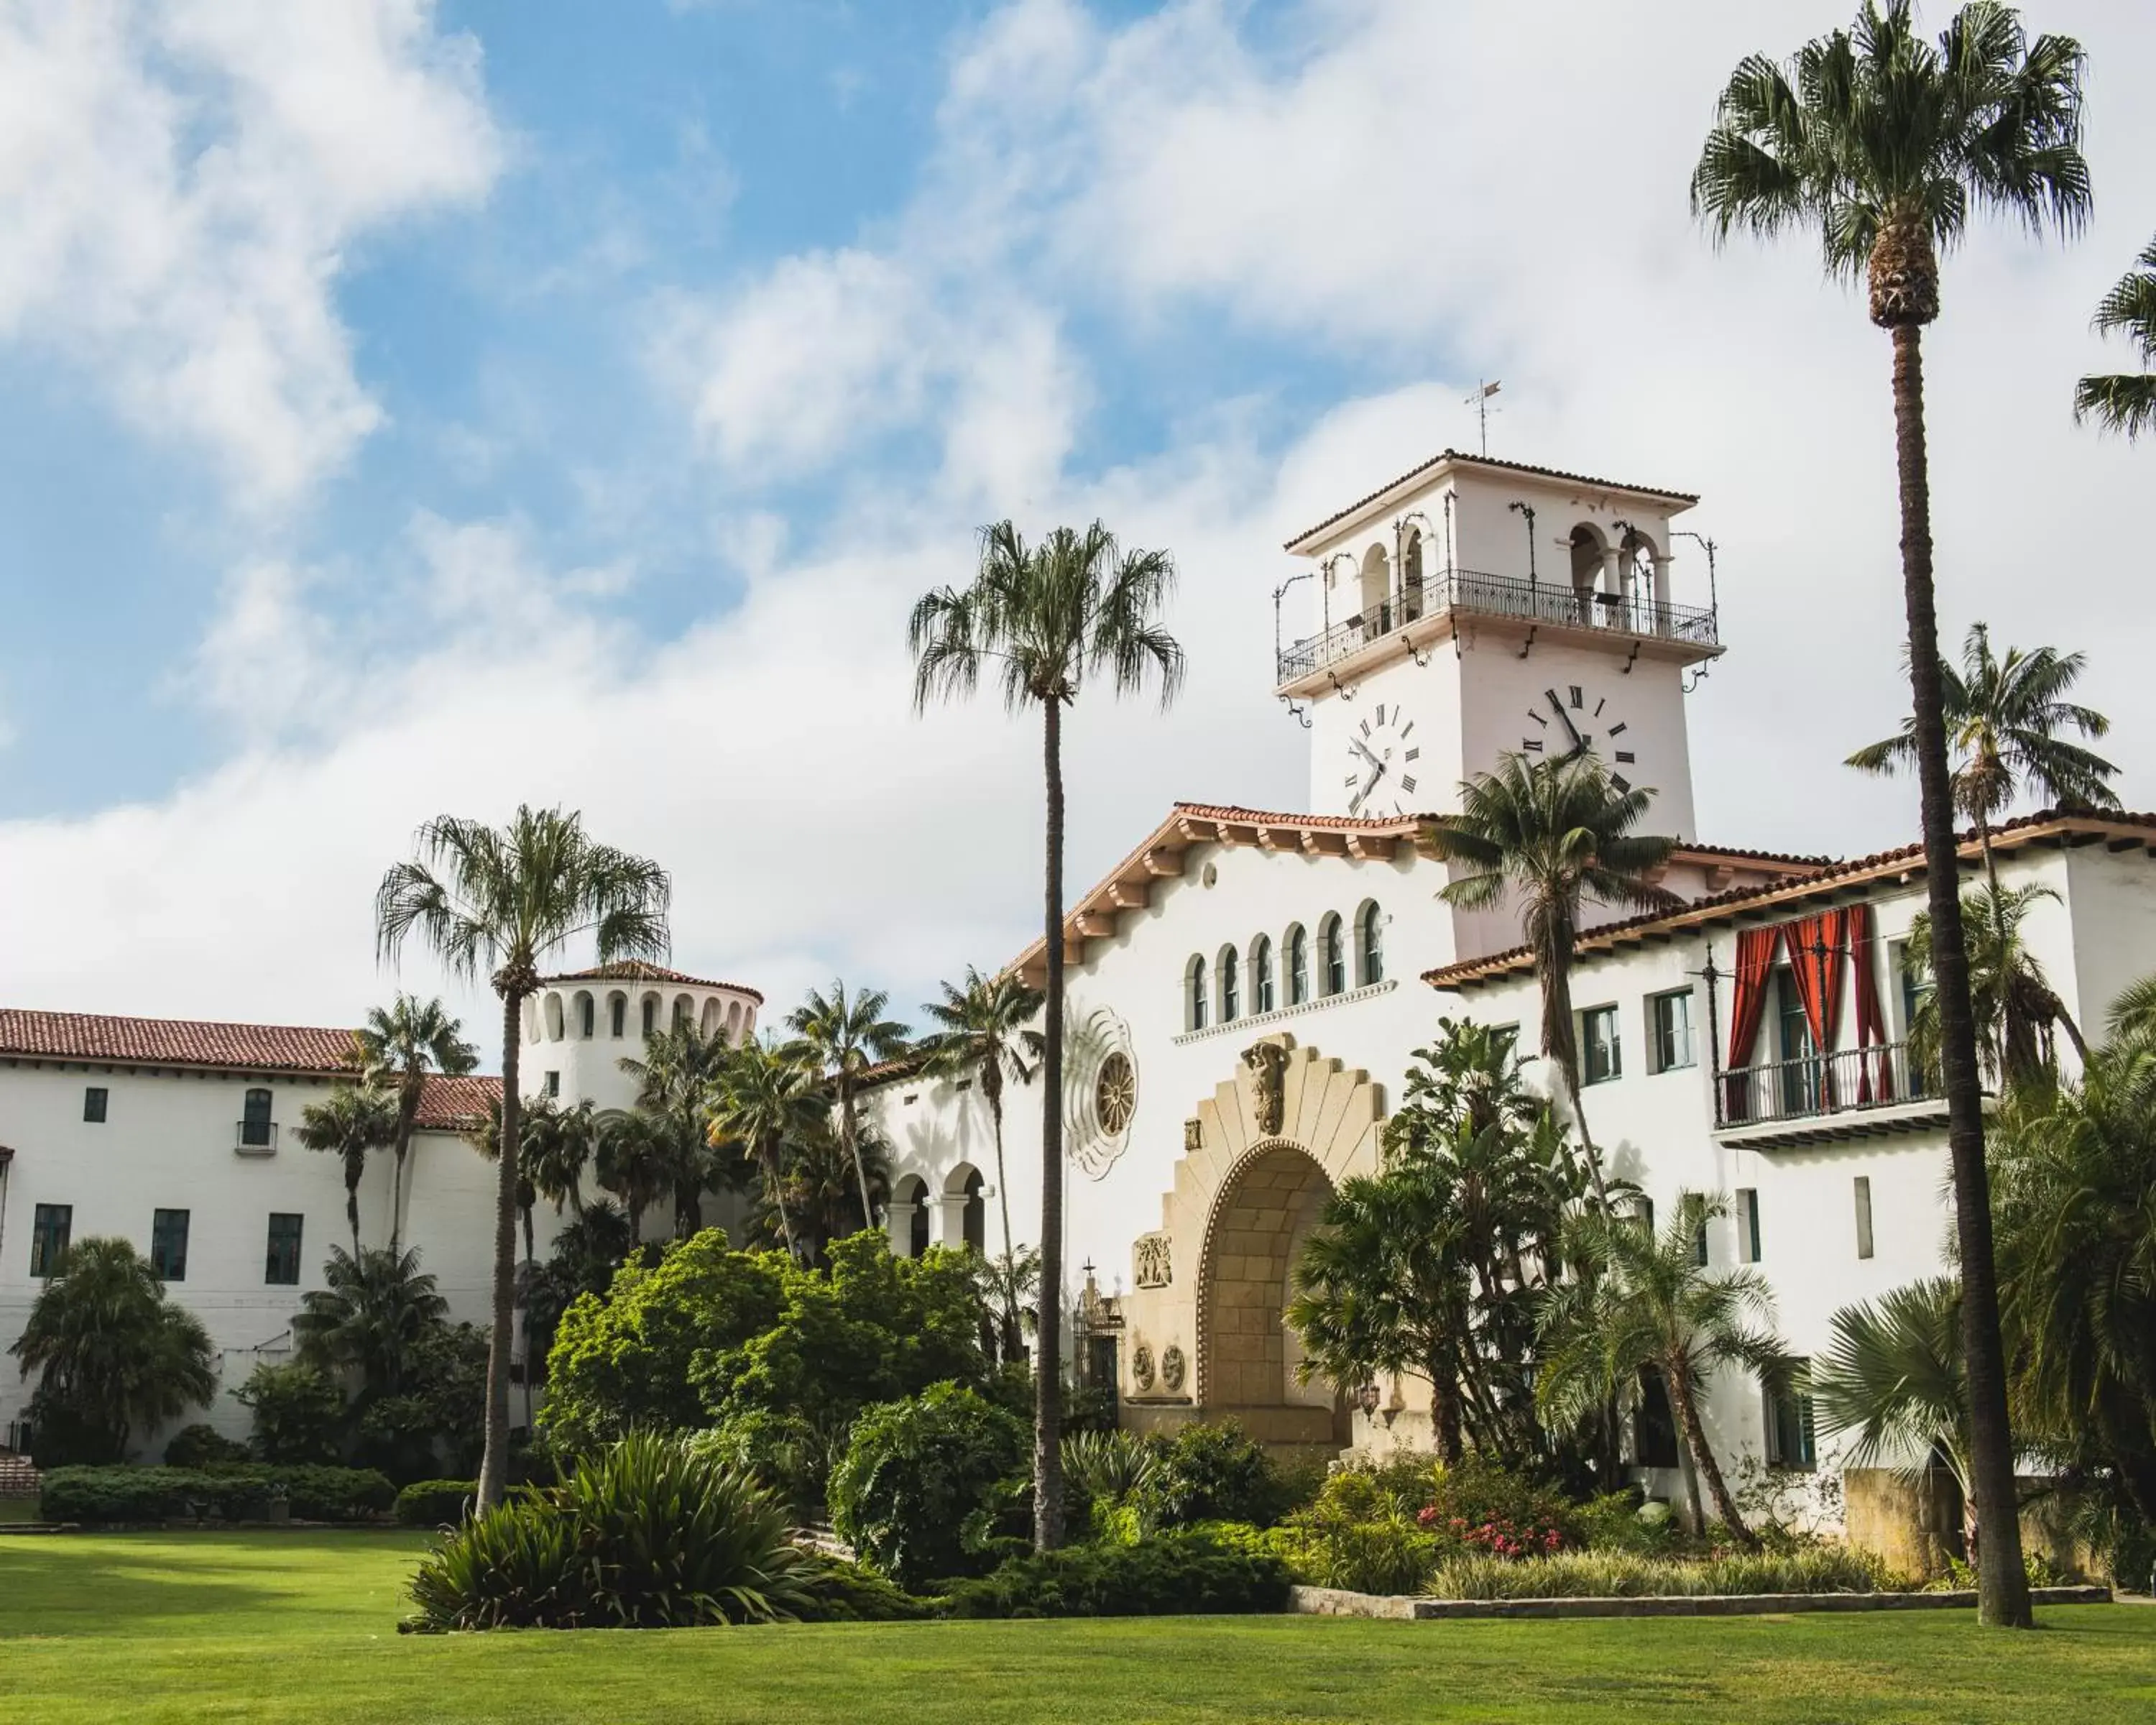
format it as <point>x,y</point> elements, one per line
<point>1110,1467</point>
<point>923,1482</point>
<point>845,1035</point>
<point>638,1160</point>
<point>298,1409</point>
<point>351,1123</point>
<point>1642,1303</point>
<point>496,902</point>
<point>1614,1574</point>
<point>982,1034</point>
<point>649,1533</point>
<point>674,1083</point>
<point>766,1100</point>
<point>1551,835</point>
<point>1883,144</point>
<point>1893,1378</point>
<point>1213,1470</point>
<point>1168,1574</point>
<point>583,1259</point>
<point>371,1313</point>
<point>1046,618</point>
<point>399,1048</point>
<point>819,1185</point>
<point>555,1152</point>
<point>115,1356</point>
<point>2126,401</point>
<point>2003,717</point>
<point>2015,1005</point>
<point>1010,1282</point>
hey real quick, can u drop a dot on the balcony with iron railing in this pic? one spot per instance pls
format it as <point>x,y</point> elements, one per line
<point>1850,1093</point>
<point>255,1137</point>
<point>1539,603</point>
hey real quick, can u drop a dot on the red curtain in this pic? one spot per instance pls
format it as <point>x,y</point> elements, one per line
<point>1755,963</point>
<point>1875,1071</point>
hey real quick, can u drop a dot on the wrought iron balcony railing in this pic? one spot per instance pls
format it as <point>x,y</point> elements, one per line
<point>1499,595</point>
<point>255,1137</point>
<point>1849,1080</point>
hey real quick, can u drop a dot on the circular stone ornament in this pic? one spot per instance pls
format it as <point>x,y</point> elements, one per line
<point>1101,1092</point>
<point>1142,1365</point>
<point>1174,1367</point>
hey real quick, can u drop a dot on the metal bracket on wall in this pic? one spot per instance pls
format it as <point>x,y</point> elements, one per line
<point>1527,646</point>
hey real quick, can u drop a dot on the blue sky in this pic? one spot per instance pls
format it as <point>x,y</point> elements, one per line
<point>407,407</point>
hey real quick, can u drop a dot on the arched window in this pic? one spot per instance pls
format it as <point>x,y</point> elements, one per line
<point>685,1011</point>
<point>650,1014</point>
<point>734,1022</point>
<point>1261,975</point>
<point>1193,994</point>
<point>552,1011</point>
<point>587,1016</point>
<point>974,1220</point>
<point>255,1117</point>
<point>913,1196</point>
<point>710,1024</point>
<point>617,1013</point>
<point>1332,954</point>
<point>1298,965</point>
<point>1376,593</point>
<point>1369,946</point>
<point>1587,560</point>
<point>1411,577</point>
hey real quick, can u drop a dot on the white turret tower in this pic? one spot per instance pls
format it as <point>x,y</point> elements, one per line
<point>579,1026</point>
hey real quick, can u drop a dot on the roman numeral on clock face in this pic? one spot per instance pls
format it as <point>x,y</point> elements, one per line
<point>1617,729</point>
<point>1625,757</point>
<point>1531,745</point>
<point>1408,785</point>
<point>1624,785</point>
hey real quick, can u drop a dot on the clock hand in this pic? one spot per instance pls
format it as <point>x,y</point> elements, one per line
<point>1362,749</point>
<point>1578,740</point>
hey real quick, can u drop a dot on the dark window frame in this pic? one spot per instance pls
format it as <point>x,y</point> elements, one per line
<point>168,1254</point>
<point>1667,1051</point>
<point>283,1250</point>
<point>52,1231</point>
<point>1593,1070</point>
<point>257,1116</point>
<point>96,1104</point>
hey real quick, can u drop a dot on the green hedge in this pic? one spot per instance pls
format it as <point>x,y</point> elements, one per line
<point>1171,1574</point>
<point>435,1503</point>
<point>156,1494</point>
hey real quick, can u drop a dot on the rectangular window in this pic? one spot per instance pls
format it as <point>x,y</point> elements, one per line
<point>51,1224</point>
<point>1653,1424</point>
<point>617,1013</point>
<point>282,1268</point>
<point>254,1123</point>
<point>1863,1215</point>
<point>1789,1419</point>
<point>553,1083</point>
<point>94,1100</point>
<point>1699,1244</point>
<point>1672,1022</point>
<point>168,1245</point>
<point>1643,1213</point>
<point>1603,1059</point>
<point>1748,1224</point>
<point>1803,1077</point>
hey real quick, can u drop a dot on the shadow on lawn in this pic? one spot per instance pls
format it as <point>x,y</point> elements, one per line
<point>113,1590</point>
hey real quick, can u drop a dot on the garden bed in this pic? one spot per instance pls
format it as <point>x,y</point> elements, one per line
<point>1337,1602</point>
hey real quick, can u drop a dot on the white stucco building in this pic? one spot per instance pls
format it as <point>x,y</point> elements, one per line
<point>1246,988</point>
<point>178,1135</point>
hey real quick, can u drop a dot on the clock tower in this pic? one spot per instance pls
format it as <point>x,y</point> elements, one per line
<point>1476,608</point>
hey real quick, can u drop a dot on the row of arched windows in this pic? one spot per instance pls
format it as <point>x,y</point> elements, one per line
<point>1234,983</point>
<point>579,1018</point>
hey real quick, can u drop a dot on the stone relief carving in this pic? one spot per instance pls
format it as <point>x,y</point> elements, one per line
<point>1193,1135</point>
<point>1267,1063</point>
<point>1152,1260</point>
<point>1174,1367</point>
<point>1101,1091</point>
<point>1142,1366</point>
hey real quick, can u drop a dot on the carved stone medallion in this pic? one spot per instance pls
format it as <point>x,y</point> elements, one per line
<point>1101,1091</point>
<point>1267,1062</point>
<point>1142,1366</point>
<point>1152,1260</point>
<point>1174,1367</point>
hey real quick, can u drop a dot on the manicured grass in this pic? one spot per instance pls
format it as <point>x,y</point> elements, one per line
<point>276,1626</point>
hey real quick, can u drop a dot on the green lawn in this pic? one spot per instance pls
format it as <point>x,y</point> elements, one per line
<point>269,1627</point>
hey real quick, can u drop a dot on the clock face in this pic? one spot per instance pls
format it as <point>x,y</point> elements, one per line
<point>1573,719</point>
<point>1382,755</point>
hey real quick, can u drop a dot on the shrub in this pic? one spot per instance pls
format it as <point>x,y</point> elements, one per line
<point>923,1479</point>
<point>1817,1570</point>
<point>200,1445</point>
<point>435,1503</point>
<point>648,1533</point>
<point>299,1413</point>
<point>156,1494</point>
<point>1169,1574</point>
<point>791,1455</point>
<point>1212,1473</point>
<point>1485,1507</point>
<point>836,1591</point>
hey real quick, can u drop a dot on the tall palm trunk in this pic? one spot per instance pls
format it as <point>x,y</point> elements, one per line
<point>2002,1586</point>
<point>1445,1411</point>
<point>774,1183</point>
<point>353,1169</point>
<point>851,1129</point>
<point>1048,1366</point>
<point>493,1461</point>
<point>1702,1453</point>
<point>992,1087</point>
<point>1561,1044</point>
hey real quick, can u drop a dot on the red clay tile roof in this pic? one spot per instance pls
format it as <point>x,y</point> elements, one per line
<point>456,1104</point>
<point>173,1042</point>
<point>635,970</point>
<point>2125,830</point>
<point>1460,460</point>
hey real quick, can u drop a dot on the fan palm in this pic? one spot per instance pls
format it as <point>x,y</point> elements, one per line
<point>1553,835</point>
<point>2126,401</point>
<point>2014,1005</point>
<point>555,1152</point>
<point>845,1036</point>
<point>1046,618</point>
<point>765,1101</point>
<point>982,1034</point>
<point>2003,717</point>
<point>351,1122</point>
<point>369,1315</point>
<point>115,1355</point>
<point>1884,144</point>
<point>397,1049</point>
<point>637,1161</point>
<point>674,1082</point>
<point>1643,1303</point>
<point>820,1185</point>
<point>496,901</point>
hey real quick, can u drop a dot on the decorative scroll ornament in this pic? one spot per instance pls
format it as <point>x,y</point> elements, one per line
<point>1193,1135</point>
<point>1267,1064</point>
<point>1142,1366</point>
<point>1100,1092</point>
<point>1174,1367</point>
<point>1151,1260</point>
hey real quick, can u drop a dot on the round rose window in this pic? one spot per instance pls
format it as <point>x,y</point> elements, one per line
<point>1116,1092</point>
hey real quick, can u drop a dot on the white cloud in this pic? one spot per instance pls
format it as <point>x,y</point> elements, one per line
<point>182,183</point>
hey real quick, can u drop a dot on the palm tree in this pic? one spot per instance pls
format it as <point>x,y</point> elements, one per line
<point>765,1101</point>
<point>371,1313</point>
<point>983,1036</point>
<point>820,1185</point>
<point>2003,721</point>
<point>845,1037</point>
<point>2014,1003</point>
<point>352,1121</point>
<point>397,1049</point>
<point>1883,143</point>
<point>555,1154</point>
<point>1644,1303</point>
<point>1048,617</point>
<point>674,1082</point>
<point>637,1160</point>
<point>115,1356</point>
<point>2127,402</point>
<point>496,902</point>
<point>1894,1376</point>
<point>1554,834</point>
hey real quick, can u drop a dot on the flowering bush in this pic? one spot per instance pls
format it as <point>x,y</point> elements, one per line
<point>1500,1535</point>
